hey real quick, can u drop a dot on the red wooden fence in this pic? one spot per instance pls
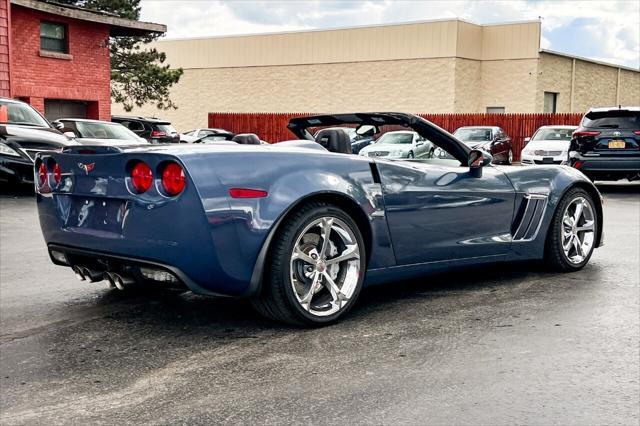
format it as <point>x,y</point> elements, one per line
<point>272,127</point>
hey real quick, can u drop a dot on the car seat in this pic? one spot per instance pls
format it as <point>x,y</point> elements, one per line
<point>246,139</point>
<point>334,140</point>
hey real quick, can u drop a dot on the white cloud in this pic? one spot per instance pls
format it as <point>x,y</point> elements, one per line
<point>612,28</point>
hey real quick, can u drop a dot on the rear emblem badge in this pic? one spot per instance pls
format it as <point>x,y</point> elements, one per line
<point>616,134</point>
<point>86,167</point>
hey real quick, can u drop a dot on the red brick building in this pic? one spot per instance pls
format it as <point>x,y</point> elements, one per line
<point>56,57</point>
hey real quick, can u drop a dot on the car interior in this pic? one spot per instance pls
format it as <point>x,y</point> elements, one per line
<point>334,140</point>
<point>246,139</point>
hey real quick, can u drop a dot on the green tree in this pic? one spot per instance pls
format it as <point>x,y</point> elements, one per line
<point>138,73</point>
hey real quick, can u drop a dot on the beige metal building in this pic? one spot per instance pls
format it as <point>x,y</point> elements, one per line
<point>446,66</point>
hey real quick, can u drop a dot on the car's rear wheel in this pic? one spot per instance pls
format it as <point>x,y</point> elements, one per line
<point>572,235</point>
<point>316,267</point>
<point>509,159</point>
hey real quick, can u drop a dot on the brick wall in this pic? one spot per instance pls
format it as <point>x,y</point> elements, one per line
<point>5,86</point>
<point>83,76</point>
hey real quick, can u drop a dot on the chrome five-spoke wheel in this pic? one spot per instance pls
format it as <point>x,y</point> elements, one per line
<point>578,230</point>
<point>325,266</point>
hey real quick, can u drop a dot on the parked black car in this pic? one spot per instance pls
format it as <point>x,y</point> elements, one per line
<point>606,146</point>
<point>152,129</point>
<point>23,133</point>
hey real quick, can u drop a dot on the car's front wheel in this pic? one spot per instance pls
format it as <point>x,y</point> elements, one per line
<point>316,267</point>
<point>572,234</point>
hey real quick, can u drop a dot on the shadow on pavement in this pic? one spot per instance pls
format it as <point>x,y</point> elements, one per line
<point>619,187</point>
<point>186,311</point>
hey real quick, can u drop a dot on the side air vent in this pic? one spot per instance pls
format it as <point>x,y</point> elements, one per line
<point>529,222</point>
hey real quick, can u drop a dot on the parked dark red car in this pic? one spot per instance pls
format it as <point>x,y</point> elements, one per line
<point>488,138</point>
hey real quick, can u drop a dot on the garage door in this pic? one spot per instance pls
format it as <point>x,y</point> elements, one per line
<point>54,109</point>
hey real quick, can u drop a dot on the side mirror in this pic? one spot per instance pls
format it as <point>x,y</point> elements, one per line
<point>367,130</point>
<point>58,125</point>
<point>527,139</point>
<point>69,134</point>
<point>477,160</point>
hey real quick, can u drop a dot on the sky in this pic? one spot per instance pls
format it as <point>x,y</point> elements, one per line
<point>606,30</point>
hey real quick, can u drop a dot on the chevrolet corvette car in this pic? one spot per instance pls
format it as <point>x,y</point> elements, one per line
<point>299,227</point>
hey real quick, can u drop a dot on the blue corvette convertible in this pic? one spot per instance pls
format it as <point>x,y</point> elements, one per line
<point>300,226</point>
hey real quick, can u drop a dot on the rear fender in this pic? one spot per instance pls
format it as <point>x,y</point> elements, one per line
<point>290,181</point>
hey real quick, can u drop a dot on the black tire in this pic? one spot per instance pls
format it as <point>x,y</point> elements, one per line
<point>410,155</point>
<point>508,157</point>
<point>555,257</point>
<point>277,300</point>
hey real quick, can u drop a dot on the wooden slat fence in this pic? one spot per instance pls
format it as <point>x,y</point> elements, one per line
<point>272,127</point>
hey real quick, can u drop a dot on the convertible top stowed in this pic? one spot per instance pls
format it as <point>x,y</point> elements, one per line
<point>440,137</point>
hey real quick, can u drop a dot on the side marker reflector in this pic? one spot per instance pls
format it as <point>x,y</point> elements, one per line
<point>247,193</point>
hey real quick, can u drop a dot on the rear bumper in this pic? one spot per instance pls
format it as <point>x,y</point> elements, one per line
<point>16,170</point>
<point>176,236</point>
<point>614,167</point>
<point>108,262</point>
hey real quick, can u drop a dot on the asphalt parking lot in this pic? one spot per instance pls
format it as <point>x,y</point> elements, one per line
<point>496,345</point>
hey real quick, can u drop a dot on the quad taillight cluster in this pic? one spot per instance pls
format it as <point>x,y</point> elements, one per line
<point>172,178</point>
<point>44,171</point>
<point>171,173</point>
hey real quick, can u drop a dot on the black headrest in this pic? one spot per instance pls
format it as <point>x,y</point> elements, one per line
<point>334,140</point>
<point>246,139</point>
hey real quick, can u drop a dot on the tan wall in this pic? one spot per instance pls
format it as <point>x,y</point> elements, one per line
<point>595,86</point>
<point>510,84</point>
<point>422,85</point>
<point>554,75</point>
<point>440,66</point>
<point>511,41</point>
<point>435,39</point>
<point>629,88</point>
<point>468,83</point>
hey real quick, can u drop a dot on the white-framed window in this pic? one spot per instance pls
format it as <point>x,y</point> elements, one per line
<point>495,110</point>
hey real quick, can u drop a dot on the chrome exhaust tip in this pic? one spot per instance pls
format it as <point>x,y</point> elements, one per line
<point>121,282</point>
<point>78,270</point>
<point>92,275</point>
<point>109,278</point>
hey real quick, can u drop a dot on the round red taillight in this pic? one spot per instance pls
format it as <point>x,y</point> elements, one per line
<point>57,173</point>
<point>42,174</point>
<point>141,177</point>
<point>173,179</point>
